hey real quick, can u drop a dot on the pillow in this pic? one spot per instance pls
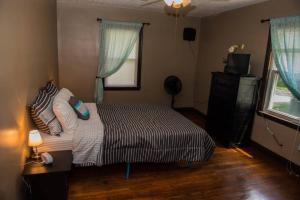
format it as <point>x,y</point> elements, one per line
<point>65,94</point>
<point>80,108</point>
<point>51,89</point>
<point>42,114</point>
<point>64,112</point>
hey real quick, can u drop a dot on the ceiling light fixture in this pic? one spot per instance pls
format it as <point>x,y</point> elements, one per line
<point>177,3</point>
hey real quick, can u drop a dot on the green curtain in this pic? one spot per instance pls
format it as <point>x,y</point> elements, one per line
<point>117,40</point>
<point>285,37</point>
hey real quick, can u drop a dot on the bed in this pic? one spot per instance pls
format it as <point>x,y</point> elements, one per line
<point>131,134</point>
<point>55,143</point>
<point>151,133</point>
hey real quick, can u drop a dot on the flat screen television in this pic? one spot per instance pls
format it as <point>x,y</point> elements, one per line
<point>238,64</point>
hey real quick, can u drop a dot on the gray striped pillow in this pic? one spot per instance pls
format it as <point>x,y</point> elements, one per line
<point>51,89</point>
<point>42,111</point>
<point>37,121</point>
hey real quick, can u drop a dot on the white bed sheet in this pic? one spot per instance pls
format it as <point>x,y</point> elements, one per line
<point>55,143</point>
<point>88,139</point>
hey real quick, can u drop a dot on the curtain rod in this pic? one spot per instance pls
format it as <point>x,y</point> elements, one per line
<point>144,23</point>
<point>264,20</point>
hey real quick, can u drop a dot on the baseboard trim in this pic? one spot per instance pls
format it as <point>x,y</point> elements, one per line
<point>274,155</point>
<point>190,109</point>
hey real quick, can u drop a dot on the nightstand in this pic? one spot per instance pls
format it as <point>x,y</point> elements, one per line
<point>49,181</point>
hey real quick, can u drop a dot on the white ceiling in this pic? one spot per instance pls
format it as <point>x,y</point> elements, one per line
<point>199,8</point>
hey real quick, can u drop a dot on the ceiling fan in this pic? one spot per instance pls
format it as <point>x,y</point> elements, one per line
<point>171,3</point>
<point>177,4</point>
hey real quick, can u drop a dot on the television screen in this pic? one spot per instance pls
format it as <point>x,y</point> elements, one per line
<point>238,63</point>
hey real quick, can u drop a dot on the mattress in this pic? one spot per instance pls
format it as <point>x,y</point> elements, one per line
<point>56,143</point>
<point>151,133</point>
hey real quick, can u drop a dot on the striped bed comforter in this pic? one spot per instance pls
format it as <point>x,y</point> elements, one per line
<point>151,133</point>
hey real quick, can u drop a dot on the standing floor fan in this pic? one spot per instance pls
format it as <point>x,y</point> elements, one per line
<point>173,87</point>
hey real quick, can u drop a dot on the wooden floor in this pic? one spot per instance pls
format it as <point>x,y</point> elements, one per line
<point>229,175</point>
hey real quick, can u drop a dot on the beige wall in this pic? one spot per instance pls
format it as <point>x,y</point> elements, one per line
<point>162,54</point>
<point>28,59</point>
<point>243,26</point>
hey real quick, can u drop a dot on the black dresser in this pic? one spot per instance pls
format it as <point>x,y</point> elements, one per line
<point>231,108</point>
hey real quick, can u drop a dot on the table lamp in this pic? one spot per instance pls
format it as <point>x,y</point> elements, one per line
<point>34,141</point>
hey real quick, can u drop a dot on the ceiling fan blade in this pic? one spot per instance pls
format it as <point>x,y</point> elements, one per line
<point>150,3</point>
<point>199,2</point>
<point>186,10</point>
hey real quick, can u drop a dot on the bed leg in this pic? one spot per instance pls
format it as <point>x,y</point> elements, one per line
<point>190,164</point>
<point>128,169</point>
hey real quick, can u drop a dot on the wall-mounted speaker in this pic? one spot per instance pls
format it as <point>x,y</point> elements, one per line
<point>189,34</point>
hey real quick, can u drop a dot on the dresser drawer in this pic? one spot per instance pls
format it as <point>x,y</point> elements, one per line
<point>227,82</point>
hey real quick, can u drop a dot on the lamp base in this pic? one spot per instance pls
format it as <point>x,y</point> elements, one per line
<point>36,156</point>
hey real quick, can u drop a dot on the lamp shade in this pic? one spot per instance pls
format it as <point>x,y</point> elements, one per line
<point>178,1</point>
<point>169,2</point>
<point>34,139</point>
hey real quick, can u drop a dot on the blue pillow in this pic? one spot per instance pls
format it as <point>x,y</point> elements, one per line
<point>79,107</point>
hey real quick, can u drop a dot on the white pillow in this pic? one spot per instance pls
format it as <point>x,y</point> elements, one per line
<point>64,112</point>
<point>64,94</point>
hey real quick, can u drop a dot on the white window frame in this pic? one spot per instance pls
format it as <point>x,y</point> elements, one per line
<point>138,63</point>
<point>271,82</point>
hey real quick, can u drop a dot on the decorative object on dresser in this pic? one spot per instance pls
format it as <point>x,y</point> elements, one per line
<point>237,62</point>
<point>48,182</point>
<point>231,107</point>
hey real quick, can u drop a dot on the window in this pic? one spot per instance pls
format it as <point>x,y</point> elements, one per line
<point>128,77</point>
<point>278,101</point>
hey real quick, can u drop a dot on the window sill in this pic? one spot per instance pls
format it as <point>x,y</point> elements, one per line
<point>277,119</point>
